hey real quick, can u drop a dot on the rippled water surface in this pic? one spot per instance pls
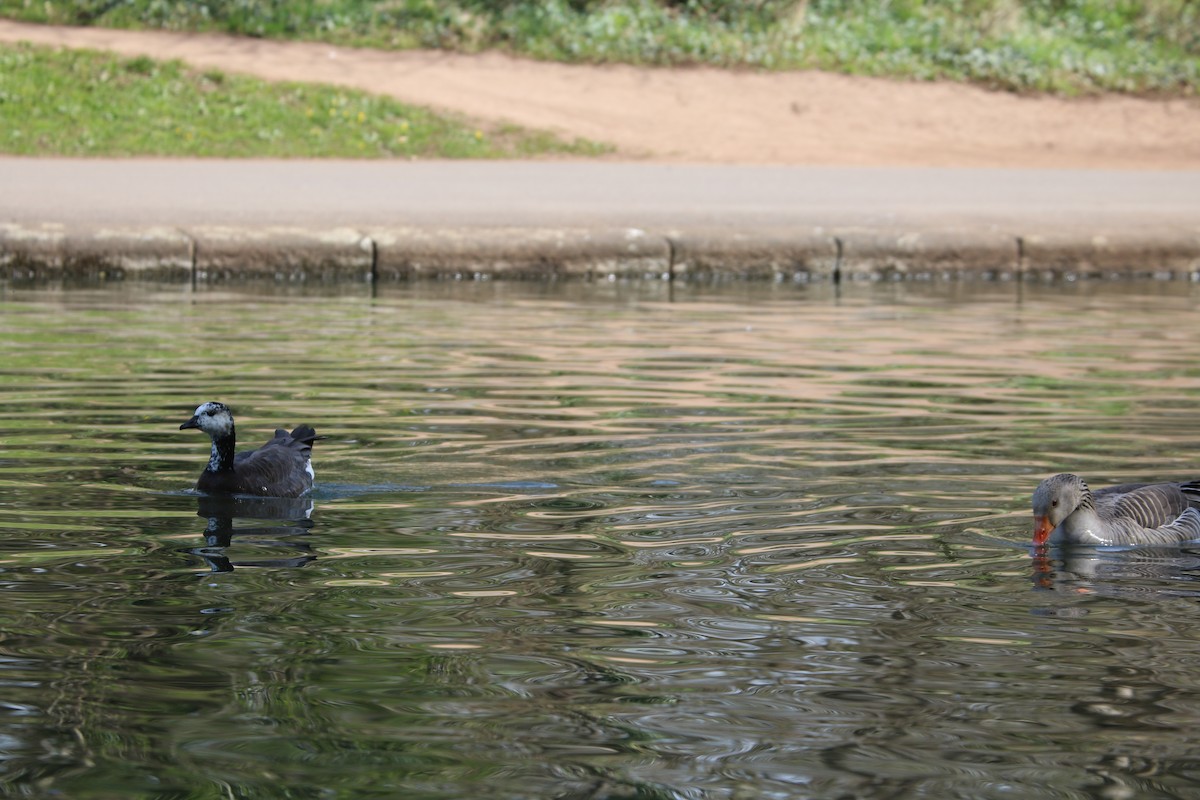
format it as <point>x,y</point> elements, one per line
<point>595,541</point>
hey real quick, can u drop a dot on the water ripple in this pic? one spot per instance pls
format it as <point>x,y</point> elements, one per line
<point>609,543</point>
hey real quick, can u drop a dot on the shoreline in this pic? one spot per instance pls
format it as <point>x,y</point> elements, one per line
<point>198,221</point>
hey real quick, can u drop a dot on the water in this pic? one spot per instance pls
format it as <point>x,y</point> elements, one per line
<point>595,541</point>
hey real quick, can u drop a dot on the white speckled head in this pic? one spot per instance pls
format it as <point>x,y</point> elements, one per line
<point>214,419</point>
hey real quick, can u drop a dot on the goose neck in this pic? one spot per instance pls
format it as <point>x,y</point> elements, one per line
<point>221,459</point>
<point>1086,501</point>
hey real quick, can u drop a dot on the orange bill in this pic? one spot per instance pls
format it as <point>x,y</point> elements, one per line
<point>1041,530</point>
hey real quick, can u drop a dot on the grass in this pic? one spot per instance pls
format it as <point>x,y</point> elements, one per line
<point>1065,46</point>
<point>83,103</point>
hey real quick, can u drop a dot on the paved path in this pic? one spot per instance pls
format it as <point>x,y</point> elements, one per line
<point>540,194</point>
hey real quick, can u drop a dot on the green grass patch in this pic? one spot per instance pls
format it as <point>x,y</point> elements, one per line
<point>1067,46</point>
<point>83,103</point>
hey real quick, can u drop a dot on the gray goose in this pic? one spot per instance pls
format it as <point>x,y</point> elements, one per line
<point>280,468</point>
<point>1129,514</point>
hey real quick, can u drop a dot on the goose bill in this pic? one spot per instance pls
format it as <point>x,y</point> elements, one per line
<point>1041,530</point>
<point>191,423</point>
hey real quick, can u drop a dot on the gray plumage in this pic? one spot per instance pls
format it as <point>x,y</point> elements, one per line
<point>1065,509</point>
<point>280,468</point>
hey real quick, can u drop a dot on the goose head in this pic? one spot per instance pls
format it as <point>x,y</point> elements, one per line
<point>215,419</point>
<point>1055,499</point>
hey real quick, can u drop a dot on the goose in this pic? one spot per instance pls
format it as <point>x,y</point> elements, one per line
<point>1129,514</point>
<point>280,468</point>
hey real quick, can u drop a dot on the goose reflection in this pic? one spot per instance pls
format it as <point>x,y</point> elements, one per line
<point>280,520</point>
<point>1125,572</point>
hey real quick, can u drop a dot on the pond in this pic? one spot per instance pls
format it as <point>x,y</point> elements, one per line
<point>595,541</point>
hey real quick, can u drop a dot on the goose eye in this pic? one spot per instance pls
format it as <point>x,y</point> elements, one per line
<point>1054,503</point>
<point>212,412</point>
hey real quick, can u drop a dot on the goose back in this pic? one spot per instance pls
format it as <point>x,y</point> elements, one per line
<point>280,468</point>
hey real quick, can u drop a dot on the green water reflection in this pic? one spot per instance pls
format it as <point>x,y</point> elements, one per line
<point>596,542</point>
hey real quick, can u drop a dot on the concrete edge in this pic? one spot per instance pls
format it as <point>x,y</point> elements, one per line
<point>873,253</point>
<point>801,254</point>
<point>1145,252</point>
<point>219,254</point>
<point>226,253</point>
<point>534,253</point>
<point>60,251</point>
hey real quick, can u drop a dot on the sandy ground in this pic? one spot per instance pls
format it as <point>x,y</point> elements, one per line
<point>705,115</point>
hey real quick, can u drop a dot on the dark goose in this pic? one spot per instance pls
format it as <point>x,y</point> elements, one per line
<point>280,468</point>
<point>1129,514</point>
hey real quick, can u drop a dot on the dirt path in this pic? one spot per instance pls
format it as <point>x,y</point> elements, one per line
<point>710,115</point>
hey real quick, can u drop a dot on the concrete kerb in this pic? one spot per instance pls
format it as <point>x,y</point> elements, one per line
<point>55,251</point>
<point>871,253</point>
<point>289,254</point>
<point>1151,252</point>
<point>799,255</point>
<point>540,253</point>
<point>215,254</point>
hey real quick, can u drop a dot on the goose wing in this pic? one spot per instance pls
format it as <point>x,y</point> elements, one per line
<point>1184,528</point>
<point>281,467</point>
<point>1145,505</point>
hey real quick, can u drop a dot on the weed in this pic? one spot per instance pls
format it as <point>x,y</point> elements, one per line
<point>1069,46</point>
